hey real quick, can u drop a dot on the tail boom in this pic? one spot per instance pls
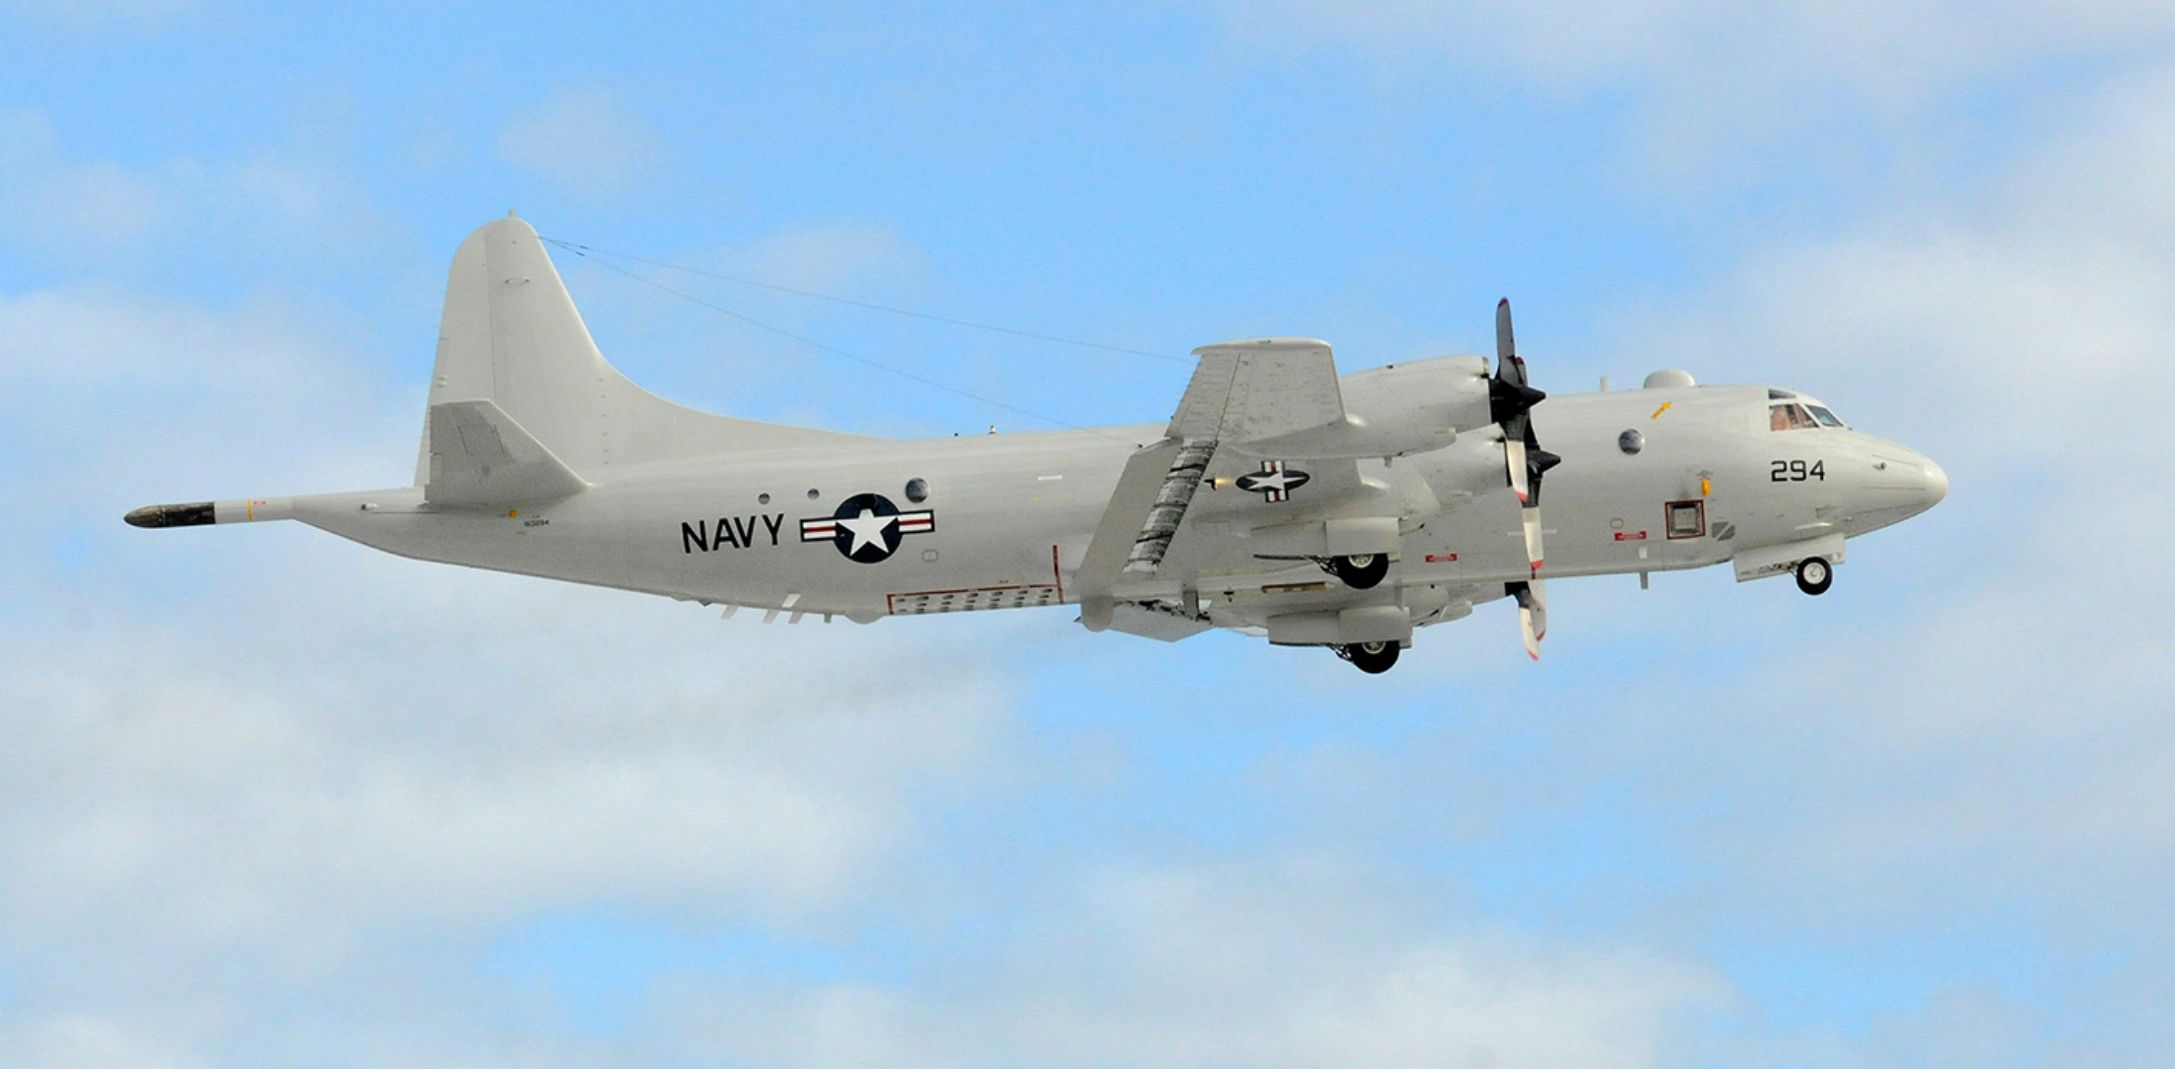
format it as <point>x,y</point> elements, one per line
<point>203,513</point>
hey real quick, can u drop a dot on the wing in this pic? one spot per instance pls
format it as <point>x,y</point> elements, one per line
<point>1273,397</point>
<point>1254,394</point>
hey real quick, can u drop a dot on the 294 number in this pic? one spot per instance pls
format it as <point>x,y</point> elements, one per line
<point>1796,471</point>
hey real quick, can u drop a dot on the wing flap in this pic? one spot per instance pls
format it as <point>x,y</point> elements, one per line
<point>1124,517</point>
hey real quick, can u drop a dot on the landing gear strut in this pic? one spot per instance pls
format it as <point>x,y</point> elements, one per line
<point>1361,571</point>
<point>1815,575</point>
<point>1373,658</point>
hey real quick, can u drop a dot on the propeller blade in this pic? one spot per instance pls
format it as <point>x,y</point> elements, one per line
<point>1505,347</point>
<point>1510,393</point>
<point>1532,614</point>
<point>1531,518</point>
<point>1516,467</point>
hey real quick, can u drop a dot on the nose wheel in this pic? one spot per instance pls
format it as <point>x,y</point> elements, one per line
<point>1815,575</point>
<point>1373,658</point>
<point>1360,571</point>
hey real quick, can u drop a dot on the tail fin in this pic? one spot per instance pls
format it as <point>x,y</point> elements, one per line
<point>510,338</point>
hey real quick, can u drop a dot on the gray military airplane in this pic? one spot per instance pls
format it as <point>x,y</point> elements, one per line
<point>1281,500</point>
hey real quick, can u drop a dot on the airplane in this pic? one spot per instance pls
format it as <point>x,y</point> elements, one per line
<point>1280,500</point>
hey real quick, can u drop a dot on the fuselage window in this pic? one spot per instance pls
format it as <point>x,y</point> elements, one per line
<point>1788,418</point>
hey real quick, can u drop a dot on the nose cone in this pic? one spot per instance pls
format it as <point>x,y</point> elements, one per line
<point>1899,483</point>
<point>1936,481</point>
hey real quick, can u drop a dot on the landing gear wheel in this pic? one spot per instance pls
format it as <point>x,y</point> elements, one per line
<point>1373,658</point>
<point>1815,575</point>
<point>1360,572</point>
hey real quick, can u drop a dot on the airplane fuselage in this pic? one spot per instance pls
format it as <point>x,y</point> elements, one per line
<point>1003,521</point>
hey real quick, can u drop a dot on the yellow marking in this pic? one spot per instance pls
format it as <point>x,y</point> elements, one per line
<point>249,509</point>
<point>513,512</point>
<point>1706,487</point>
<point>1664,408</point>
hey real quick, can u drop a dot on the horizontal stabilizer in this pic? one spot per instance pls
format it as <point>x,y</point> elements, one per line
<point>480,456</point>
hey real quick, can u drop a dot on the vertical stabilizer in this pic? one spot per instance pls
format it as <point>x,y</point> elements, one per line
<point>510,335</point>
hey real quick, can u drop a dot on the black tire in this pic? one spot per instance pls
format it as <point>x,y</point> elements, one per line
<point>1362,572</point>
<point>1815,575</point>
<point>1373,658</point>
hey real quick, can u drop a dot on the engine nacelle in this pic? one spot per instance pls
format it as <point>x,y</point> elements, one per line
<point>1419,406</point>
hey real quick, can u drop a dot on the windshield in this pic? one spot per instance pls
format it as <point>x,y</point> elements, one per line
<point>1789,418</point>
<point>1826,418</point>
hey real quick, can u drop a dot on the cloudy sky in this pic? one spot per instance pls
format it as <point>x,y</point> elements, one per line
<point>267,798</point>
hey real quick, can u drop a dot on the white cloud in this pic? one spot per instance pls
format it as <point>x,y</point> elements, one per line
<point>1298,963</point>
<point>271,204</point>
<point>254,761</point>
<point>827,257</point>
<point>693,352</point>
<point>269,792</point>
<point>585,139</point>
<point>1716,89</point>
<point>345,768</point>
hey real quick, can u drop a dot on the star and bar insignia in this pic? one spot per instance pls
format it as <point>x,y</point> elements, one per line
<point>867,528</point>
<point>1274,482</point>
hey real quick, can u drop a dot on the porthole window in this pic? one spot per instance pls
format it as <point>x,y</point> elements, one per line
<point>1631,441</point>
<point>917,490</point>
<point>813,493</point>
<point>762,499</point>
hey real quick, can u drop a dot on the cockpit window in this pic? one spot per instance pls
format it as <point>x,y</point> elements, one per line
<point>1788,418</point>
<point>1826,418</point>
<point>1780,395</point>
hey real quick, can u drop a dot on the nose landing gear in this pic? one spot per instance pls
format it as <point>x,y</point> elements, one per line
<point>1373,658</point>
<point>1815,575</point>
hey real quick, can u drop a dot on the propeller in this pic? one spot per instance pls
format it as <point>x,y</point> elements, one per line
<point>1511,398</point>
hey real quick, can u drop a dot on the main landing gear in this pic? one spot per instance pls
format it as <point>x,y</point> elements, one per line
<point>1815,575</point>
<point>1373,658</point>
<point>1360,571</point>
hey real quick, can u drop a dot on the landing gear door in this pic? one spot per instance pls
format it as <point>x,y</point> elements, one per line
<point>1781,559</point>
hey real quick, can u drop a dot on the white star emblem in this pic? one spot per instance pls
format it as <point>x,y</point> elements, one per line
<point>1275,480</point>
<point>868,529</point>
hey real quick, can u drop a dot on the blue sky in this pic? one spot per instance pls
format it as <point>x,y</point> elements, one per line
<point>273,799</point>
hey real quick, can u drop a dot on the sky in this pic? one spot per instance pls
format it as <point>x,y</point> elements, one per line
<point>269,798</point>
